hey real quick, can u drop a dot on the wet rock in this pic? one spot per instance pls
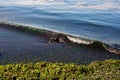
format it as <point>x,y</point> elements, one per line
<point>61,40</point>
<point>57,38</point>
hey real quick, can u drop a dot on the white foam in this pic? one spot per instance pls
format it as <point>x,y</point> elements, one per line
<point>79,41</point>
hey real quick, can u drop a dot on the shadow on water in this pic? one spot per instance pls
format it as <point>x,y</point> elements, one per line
<point>21,47</point>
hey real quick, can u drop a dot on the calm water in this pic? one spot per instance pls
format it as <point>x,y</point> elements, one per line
<point>92,19</point>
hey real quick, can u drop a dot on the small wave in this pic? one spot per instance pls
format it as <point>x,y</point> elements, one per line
<point>61,37</point>
<point>79,40</point>
<point>94,44</point>
<point>91,43</point>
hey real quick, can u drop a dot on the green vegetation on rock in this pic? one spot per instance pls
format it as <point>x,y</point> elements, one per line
<point>98,70</point>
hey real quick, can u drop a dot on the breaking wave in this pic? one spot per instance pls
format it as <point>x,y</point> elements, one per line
<point>56,36</point>
<point>79,40</point>
<point>94,44</point>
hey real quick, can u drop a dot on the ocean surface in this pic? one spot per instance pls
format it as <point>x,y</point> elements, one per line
<point>90,19</point>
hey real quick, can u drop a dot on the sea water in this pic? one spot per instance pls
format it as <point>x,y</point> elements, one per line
<point>90,19</point>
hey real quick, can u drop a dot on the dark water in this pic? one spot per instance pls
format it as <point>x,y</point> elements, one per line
<point>20,47</point>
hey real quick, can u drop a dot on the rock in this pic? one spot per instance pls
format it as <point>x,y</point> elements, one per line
<point>61,40</point>
<point>57,38</point>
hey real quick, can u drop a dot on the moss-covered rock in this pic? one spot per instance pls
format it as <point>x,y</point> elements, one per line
<point>105,70</point>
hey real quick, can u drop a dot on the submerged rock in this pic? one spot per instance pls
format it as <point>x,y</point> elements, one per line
<point>57,38</point>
